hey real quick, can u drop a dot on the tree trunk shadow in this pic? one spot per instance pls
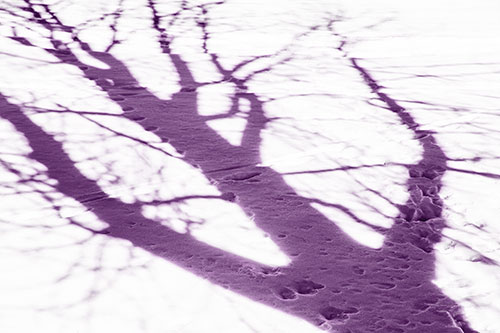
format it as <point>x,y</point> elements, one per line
<point>332,281</point>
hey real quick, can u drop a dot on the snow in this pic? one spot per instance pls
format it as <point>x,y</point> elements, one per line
<point>335,143</point>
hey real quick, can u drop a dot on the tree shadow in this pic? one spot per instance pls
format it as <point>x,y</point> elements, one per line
<point>332,281</point>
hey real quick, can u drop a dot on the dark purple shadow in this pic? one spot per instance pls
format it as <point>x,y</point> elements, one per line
<point>331,278</point>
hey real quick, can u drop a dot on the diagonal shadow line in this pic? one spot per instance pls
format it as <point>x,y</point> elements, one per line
<point>222,268</point>
<point>126,223</point>
<point>425,176</point>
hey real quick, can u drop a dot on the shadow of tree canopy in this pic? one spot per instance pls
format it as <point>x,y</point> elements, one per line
<point>332,281</point>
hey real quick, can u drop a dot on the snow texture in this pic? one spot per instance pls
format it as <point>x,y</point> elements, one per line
<point>249,166</point>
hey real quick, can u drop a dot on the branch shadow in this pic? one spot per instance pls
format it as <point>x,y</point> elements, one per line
<point>332,281</point>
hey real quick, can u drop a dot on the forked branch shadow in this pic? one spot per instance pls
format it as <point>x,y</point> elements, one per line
<point>332,281</point>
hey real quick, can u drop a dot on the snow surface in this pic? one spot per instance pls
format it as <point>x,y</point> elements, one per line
<point>334,141</point>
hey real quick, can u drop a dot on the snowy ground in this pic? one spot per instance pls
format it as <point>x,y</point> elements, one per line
<point>229,133</point>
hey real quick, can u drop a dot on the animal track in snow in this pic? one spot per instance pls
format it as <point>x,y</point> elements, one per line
<point>307,287</point>
<point>333,313</point>
<point>287,294</point>
<point>358,270</point>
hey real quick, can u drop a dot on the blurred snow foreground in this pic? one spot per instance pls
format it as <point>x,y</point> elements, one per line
<point>167,166</point>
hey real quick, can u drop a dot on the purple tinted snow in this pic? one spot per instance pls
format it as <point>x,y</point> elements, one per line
<point>359,286</point>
